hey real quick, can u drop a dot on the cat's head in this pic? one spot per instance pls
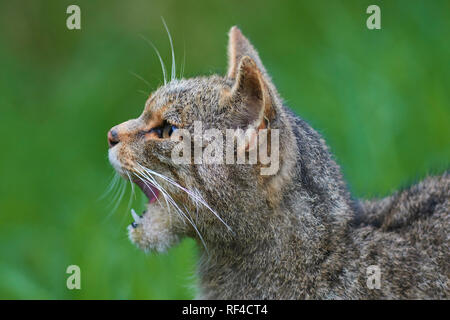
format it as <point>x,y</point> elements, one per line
<point>200,198</point>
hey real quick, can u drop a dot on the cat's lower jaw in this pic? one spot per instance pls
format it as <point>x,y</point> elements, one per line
<point>153,231</point>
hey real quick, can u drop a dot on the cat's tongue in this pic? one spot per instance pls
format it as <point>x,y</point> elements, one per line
<point>149,190</point>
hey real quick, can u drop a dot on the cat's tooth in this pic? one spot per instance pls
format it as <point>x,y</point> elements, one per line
<point>135,216</point>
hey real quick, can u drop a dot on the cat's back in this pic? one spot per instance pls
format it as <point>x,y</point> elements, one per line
<point>407,236</point>
<point>426,200</point>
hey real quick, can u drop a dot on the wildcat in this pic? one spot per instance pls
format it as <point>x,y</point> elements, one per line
<point>295,234</point>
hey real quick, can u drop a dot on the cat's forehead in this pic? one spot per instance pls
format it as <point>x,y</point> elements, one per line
<point>200,90</point>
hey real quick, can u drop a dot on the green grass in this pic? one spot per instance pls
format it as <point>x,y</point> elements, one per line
<point>380,98</point>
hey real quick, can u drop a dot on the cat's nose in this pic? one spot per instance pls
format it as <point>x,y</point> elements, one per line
<point>113,137</point>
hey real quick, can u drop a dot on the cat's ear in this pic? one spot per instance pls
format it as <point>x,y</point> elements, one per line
<point>238,47</point>
<point>251,94</point>
<point>251,89</point>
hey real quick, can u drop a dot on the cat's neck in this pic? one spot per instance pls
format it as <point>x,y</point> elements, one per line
<point>305,230</point>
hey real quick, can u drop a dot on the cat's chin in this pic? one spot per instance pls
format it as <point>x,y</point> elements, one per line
<point>153,230</point>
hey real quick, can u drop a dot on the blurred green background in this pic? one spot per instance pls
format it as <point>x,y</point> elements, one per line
<point>381,98</point>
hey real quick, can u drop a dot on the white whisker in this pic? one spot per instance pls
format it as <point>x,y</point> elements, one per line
<point>173,71</point>
<point>123,188</point>
<point>174,204</point>
<point>143,174</point>
<point>163,67</point>
<point>159,187</point>
<point>132,191</point>
<point>149,186</point>
<point>140,78</point>
<point>191,194</point>
<point>143,92</point>
<point>117,197</point>
<point>184,61</point>
<point>111,186</point>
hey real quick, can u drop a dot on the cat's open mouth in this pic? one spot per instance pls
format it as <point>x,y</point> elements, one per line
<point>149,190</point>
<point>152,194</point>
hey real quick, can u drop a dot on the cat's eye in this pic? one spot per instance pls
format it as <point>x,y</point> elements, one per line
<point>164,131</point>
<point>168,130</point>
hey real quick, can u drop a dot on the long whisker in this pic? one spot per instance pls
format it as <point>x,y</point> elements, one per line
<point>140,78</point>
<point>184,61</point>
<point>163,67</point>
<point>163,192</point>
<point>132,191</point>
<point>143,92</point>
<point>111,186</point>
<point>140,173</point>
<point>159,187</point>
<point>118,194</point>
<point>147,184</point>
<point>178,209</point>
<point>192,195</point>
<point>173,74</point>
<point>196,229</point>
<point>123,187</point>
<point>165,195</point>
